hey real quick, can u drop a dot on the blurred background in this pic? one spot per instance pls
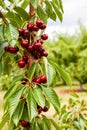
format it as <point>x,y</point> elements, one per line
<point>74,12</point>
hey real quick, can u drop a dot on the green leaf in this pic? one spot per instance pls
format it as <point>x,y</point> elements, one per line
<point>55,125</point>
<point>57,11</point>
<point>1,33</point>
<point>16,78</point>
<point>10,125</point>
<point>75,95</point>
<point>31,70</point>
<point>46,123</point>
<point>52,97</point>
<point>21,12</point>
<point>11,34</point>
<point>36,126</point>
<point>2,45</point>
<point>64,75</point>
<point>14,101</point>
<point>61,6</point>
<point>49,71</point>
<point>18,112</point>
<point>34,3</point>
<point>38,96</point>
<point>32,107</point>
<point>25,3</point>
<point>2,4</point>
<point>5,118</point>
<point>11,16</point>
<point>42,13</point>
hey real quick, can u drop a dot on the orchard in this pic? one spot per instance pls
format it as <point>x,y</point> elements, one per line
<point>24,59</point>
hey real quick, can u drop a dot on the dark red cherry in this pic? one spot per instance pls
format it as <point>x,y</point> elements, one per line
<point>21,63</point>
<point>25,58</point>
<point>30,26</point>
<point>7,48</point>
<point>39,23</point>
<point>25,44</point>
<point>45,109</point>
<point>24,123</point>
<point>21,31</point>
<point>35,28</point>
<point>45,53</point>
<point>43,79</point>
<point>44,36</point>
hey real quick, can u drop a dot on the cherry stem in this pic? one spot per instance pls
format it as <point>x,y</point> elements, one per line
<point>3,18</point>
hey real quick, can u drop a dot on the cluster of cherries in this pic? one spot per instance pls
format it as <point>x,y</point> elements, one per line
<point>32,45</point>
<point>40,109</point>
<point>29,41</point>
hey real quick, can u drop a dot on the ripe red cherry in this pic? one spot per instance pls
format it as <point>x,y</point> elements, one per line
<point>30,48</point>
<point>43,79</point>
<point>45,53</point>
<point>25,58</point>
<point>21,97</point>
<point>42,27</point>
<point>21,63</point>
<point>37,80</point>
<point>40,40</point>
<point>37,45</point>
<point>21,31</point>
<point>45,109</point>
<point>24,43</point>
<point>35,28</point>
<point>13,49</point>
<point>24,123</point>
<point>39,23</point>
<point>7,48</point>
<point>30,26</point>
<point>26,33</point>
<point>39,108</point>
<point>44,36</point>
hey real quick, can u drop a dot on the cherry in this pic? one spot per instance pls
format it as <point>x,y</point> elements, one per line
<point>21,31</point>
<point>39,23</point>
<point>44,36</point>
<point>43,79</point>
<point>35,28</point>
<point>40,40</point>
<point>25,44</point>
<point>25,58</point>
<point>39,108</point>
<point>13,49</point>
<point>24,123</point>
<point>30,26</point>
<point>7,48</point>
<point>42,27</point>
<point>21,63</point>
<point>45,109</point>
<point>37,45</point>
<point>45,53</point>
<point>26,33</point>
<point>21,97</point>
<point>37,80</point>
<point>30,49</point>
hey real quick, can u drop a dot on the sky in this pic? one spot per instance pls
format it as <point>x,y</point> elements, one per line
<point>74,11</point>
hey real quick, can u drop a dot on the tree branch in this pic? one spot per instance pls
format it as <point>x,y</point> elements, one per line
<point>3,18</point>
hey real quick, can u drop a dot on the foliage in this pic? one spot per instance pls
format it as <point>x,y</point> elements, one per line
<point>73,116</point>
<point>70,53</point>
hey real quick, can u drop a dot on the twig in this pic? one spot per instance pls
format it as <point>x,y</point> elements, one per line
<point>3,18</point>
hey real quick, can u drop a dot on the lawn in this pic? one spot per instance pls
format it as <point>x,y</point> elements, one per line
<point>63,92</point>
